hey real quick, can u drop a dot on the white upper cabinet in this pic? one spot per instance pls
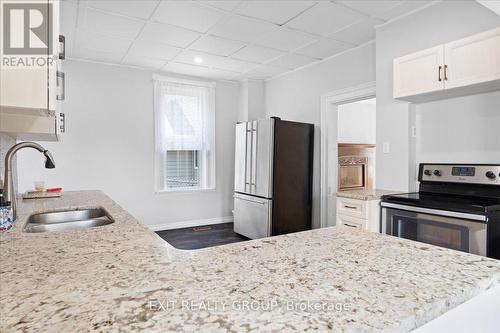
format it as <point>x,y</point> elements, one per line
<point>419,72</point>
<point>32,83</point>
<point>473,60</point>
<point>24,88</point>
<point>466,66</point>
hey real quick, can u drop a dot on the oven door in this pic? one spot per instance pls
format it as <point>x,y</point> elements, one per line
<point>457,233</point>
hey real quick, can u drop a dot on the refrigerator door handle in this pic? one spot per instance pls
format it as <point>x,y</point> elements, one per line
<point>249,200</point>
<point>253,178</point>
<point>248,158</point>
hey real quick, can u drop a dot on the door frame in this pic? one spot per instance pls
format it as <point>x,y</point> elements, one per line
<point>329,103</point>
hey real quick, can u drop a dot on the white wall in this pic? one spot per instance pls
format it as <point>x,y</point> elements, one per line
<point>460,130</point>
<point>357,122</point>
<point>256,99</point>
<point>296,96</point>
<point>252,100</point>
<point>446,21</point>
<point>109,145</point>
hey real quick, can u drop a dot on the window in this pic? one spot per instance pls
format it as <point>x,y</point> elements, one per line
<point>184,134</point>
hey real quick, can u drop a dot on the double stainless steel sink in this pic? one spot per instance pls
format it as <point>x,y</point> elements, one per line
<point>68,220</point>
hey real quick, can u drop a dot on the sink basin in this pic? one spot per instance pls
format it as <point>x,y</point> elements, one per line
<point>68,220</point>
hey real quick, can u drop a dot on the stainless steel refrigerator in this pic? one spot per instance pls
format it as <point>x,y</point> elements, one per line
<point>273,177</point>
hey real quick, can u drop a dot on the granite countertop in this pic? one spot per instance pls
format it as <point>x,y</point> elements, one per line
<point>365,194</point>
<point>123,277</point>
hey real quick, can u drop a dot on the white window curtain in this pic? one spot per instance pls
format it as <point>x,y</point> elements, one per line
<point>185,115</point>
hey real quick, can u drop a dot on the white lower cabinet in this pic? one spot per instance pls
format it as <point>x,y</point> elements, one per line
<point>356,213</point>
<point>349,221</point>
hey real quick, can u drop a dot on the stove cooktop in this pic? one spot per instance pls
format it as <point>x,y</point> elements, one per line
<point>446,202</point>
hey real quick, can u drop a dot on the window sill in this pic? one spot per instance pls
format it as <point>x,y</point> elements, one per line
<point>185,190</point>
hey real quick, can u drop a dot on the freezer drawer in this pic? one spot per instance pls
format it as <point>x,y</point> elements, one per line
<point>252,216</point>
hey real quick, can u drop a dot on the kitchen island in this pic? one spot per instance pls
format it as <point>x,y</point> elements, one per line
<point>124,277</point>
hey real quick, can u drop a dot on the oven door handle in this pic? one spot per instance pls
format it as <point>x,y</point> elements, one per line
<point>439,212</point>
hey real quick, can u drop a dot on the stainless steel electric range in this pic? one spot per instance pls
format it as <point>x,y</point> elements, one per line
<point>457,207</point>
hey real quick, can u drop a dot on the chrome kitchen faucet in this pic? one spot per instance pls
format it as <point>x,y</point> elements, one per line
<point>9,192</point>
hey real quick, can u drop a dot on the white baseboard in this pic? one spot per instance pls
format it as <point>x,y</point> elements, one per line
<point>190,223</point>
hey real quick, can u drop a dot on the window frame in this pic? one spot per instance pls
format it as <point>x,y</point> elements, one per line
<point>207,164</point>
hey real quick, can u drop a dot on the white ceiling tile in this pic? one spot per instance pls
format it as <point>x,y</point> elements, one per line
<point>264,72</point>
<point>108,24</point>
<point>215,73</point>
<point>176,67</point>
<point>188,56</point>
<point>168,34</point>
<point>153,50</point>
<point>214,61</point>
<point>201,71</point>
<point>403,8</point>
<point>143,61</point>
<point>371,7</point>
<point>323,48</point>
<point>239,28</point>
<point>216,45</point>
<point>277,12</point>
<point>325,18</point>
<point>93,41</point>
<point>186,14</point>
<point>256,54</point>
<point>286,40</point>
<point>227,5</point>
<point>82,53</point>
<point>140,9</point>
<point>292,61</point>
<point>358,33</point>
<point>220,74</point>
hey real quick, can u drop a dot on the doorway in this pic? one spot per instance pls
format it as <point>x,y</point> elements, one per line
<point>333,106</point>
<point>356,137</point>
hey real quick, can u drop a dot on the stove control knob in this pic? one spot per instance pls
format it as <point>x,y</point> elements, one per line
<point>437,173</point>
<point>491,175</point>
<point>427,172</point>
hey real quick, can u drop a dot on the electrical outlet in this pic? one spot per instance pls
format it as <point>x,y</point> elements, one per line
<point>414,131</point>
<point>386,147</point>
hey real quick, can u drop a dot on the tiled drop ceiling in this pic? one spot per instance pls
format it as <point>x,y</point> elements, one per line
<point>231,40</point>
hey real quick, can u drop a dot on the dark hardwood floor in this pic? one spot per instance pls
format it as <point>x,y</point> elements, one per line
<point>201,237</point>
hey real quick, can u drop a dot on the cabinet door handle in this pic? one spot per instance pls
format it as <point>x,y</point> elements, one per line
<point>249,200</point>
<point>62,126</point>
<point>350,225</point>
<point>248,157</point>
<point>439,73</point>
<point>446,72</point>
<point>61,82</point>
<point>350,207</point>
<point>62,41</point>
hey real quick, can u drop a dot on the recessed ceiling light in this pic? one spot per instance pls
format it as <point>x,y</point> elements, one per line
<point>198,60</point>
